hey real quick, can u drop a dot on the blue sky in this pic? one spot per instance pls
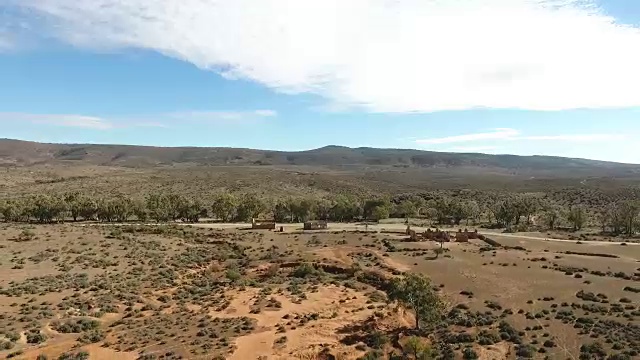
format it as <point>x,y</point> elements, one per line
<point>552,77</point>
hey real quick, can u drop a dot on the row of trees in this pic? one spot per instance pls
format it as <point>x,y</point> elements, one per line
<point>172,207</point>
<point>507,211</point>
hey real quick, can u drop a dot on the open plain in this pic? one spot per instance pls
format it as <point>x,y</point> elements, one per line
<point>180,291</point>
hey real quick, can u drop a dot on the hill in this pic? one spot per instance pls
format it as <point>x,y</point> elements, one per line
<point>24,153</point>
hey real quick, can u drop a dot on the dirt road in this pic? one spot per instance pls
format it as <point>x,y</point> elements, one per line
<point>393,227</point>
<point>399,228</point>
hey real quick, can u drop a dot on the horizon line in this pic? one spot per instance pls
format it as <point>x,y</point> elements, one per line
<point>306,150</point>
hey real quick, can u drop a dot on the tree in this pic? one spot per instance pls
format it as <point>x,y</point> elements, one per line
<point>614,219</point>
<point>577,217</point>
<point>88,208</point>
<point>74,204</point>
<point>629,211</point>
<point>414,292</point>
<point>158,207</point>
<point>12,210</point>
<point>443,211</point>
<point>505,211</point>
<point>526,205</point>
<point>250,206</point>
<point>191,210</point>
<point>139,209</point>
<point>224,207</point>
<point>175,204</point>
<point>419,203</point>
<point>46,208</point>
<point>379,212</point>
<point>122,208</point>
<point>406,209</point>
<point>323,209</point>
<point>301,209</point>
<point>281,212</point>
<point>345,209</point>
<point>430,213</point>
<point>457,211</point>
<point>117,209</point>
<point>417,349</point>
<point>472,210</point>
<point>551,216</point>
<point>376,209</point>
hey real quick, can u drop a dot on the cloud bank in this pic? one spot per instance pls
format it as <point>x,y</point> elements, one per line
<point>382,55</point>
<point>506,134</point>
<point>65,120</point>
<point>162,120</point>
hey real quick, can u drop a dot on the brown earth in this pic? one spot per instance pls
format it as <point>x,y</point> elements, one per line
<point>172,290</point>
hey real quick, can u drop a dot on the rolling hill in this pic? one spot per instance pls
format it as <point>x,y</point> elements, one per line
<point>24,153</point>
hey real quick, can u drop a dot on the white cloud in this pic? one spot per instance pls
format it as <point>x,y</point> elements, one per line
<point>5,44</point>
<point>473,149</point>
<point>222,116</point>
<point>265,113</point>
<point>66,120</point>
<point>502,133</point>
<point>576,137</point>
<point>387,56</point>
<point>7,41</point>
<point>163,120</point>
<point>506,134</point>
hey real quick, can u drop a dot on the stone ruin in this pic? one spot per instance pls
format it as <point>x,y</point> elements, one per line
<point>442,236</point>
<point>466,235</point>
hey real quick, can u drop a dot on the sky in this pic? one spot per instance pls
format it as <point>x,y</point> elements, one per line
<point>526,77</point>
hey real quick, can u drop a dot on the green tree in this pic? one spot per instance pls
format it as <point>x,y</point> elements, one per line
<point>526,205</point>
<point>346,208</point>
<point>505,211</point>
<point>281,211</point>
<point>139,209</point>
<point>430,213</point>
<point>46,208</point>
<point>416,348</point>
<point>458,211</point>
<point>74,204</point>
<point>577,217</point>
<point>376,209</point>
<point>88,208</point>
<point>419,203</point>
<point>552,216</point>
<point>224,206</point>
<point>116,209</point>
<point>191,211</point>
<point>323,209</point>
<point>379,212</point>
<point>612,216</point>
<point>122,208</point>
<point>414,292</point>
<point>158,207</point>
<point>472,211</point>
<point>628,214</point>
<point>175,204</point>
<point>406,209</point>
<point>12,210</point>
<point>250,206</point>
<point>443,209</point>
<point>302,209</point>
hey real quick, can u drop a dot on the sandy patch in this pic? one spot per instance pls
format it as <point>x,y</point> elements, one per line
<point>335,306</point>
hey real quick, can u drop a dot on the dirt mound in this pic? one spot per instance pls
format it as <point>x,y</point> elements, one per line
<point>309,326</point>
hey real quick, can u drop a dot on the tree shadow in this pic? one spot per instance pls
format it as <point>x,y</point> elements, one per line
<point>368,332</point>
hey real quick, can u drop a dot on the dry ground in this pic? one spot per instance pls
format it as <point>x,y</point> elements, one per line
<point>172,292</point>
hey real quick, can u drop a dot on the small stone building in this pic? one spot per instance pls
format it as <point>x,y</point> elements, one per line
<point>315,225</point>
<point>263,224</point>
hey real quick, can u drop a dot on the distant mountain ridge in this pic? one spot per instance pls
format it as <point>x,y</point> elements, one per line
<point>26,153</point>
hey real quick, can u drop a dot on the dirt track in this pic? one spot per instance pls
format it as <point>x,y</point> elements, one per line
<point>396,228</point>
